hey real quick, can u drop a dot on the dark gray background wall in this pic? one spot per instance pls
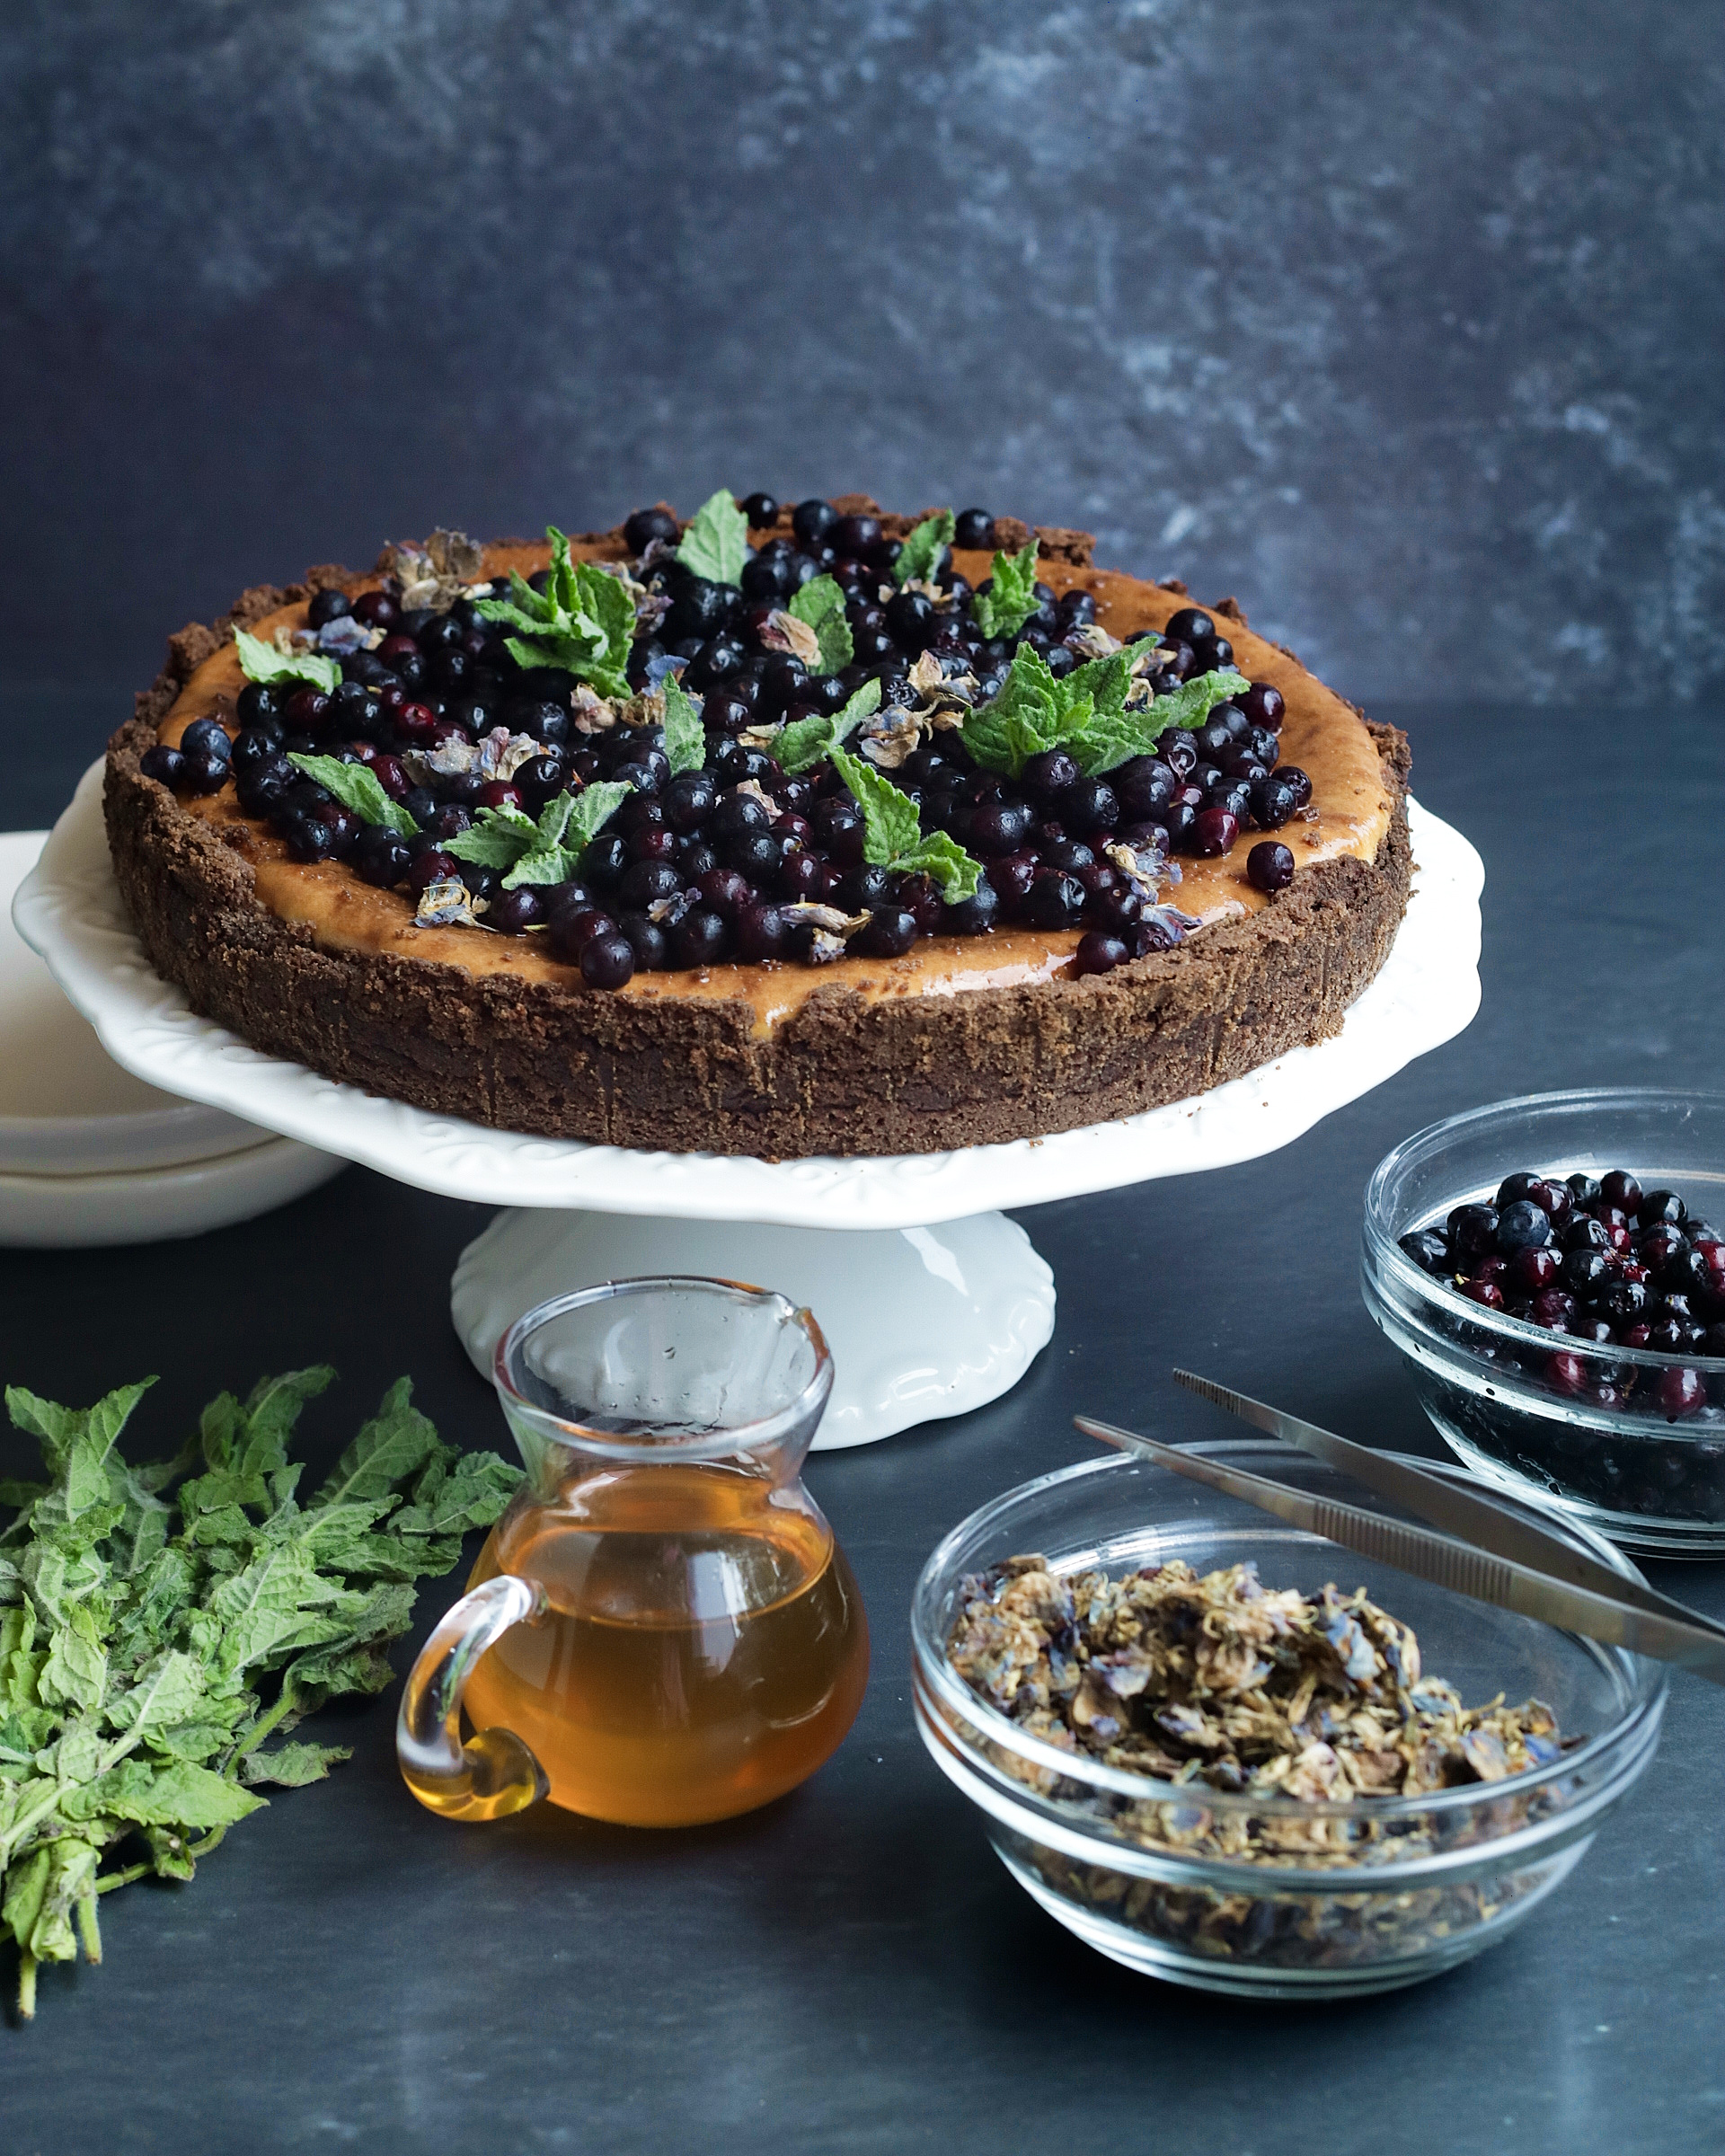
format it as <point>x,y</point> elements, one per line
<point>1404,322</point>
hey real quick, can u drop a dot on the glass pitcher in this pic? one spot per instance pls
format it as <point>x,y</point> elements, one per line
<point>662,1629</point>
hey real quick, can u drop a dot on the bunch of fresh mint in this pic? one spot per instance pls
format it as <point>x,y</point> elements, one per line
<point>158,1622</point>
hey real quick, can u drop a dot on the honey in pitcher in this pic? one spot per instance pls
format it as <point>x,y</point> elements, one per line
<point>704,1649</point>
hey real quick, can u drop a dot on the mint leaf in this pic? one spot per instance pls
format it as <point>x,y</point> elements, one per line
<point>940,857</point>
<point>716,544</point>
<point>583,621</point>
<point>1024,719</point>
<point>1111,736</point>
<point>890,826</point>
<point>921,547</point>
<point>556,860</point>
<point>355,787</point>
<point>892,835</point>
<point>293,1766</point>
<point>546,852</point>
<point>260,661</point>
<point>685,738</point>
<point>595,806</point>
<point>806,742</point>
<point>1004,609</point>
<point>133,1667</point>
<point>821,604</point>
<point>497,840</point>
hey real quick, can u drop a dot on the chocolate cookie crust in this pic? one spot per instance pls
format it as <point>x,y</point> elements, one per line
<point>842,1074</point>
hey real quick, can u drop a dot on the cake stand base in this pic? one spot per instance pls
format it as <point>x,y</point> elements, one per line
<point>923,1322</point>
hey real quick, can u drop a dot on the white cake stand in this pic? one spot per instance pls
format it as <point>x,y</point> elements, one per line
<point>933,1303</point>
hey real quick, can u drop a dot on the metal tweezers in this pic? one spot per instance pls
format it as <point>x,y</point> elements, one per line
<point>1487,1552</point>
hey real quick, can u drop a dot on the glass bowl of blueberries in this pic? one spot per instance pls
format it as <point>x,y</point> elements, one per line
<point>1552,1270</point>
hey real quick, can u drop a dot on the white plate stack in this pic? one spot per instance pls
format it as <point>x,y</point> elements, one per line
<point>90,1154</point>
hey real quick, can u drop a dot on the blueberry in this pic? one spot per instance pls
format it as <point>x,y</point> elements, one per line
<point>1056,900</point>
<point>308,837</point>
<point>761,509</point>
<point>648,941</point>
<point>1583,1269</point>
<point>260,701</point>
<point>813,520</point>
<point>1099,952</point>
<point>161,763</point>
<point>1621,1190</point>
<point>1472,1231</point>
<point>327,605</point>
<point>761,933</point>
<point>889,933</point>
<point>1269,866</point>
<point>605,859</point>
<point>1190,626</point>
<point>381,856</point>
<point>607,960</point>
<point>912,620</point>
<point>1428,1250</point>
<point>975,915</point>
<point>863,888</point>
<point>699,938</point>
<point>1143,786</point>
<point>857,536</point>
<point>645,881</point>
<point>202,772</point>
<point>644,526</point>
<point>974,529</point>
<point>1657,1206</point>
<point>205,736</point>
<point>1522,1226</point>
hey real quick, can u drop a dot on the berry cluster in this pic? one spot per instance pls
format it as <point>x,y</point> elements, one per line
<point>691,870</point>
<point>1602,1261</point>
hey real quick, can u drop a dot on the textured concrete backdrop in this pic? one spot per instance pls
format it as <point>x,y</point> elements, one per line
<point>1403,322</point>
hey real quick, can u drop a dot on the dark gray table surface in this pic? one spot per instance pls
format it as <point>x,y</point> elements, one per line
<point>851,1969</point>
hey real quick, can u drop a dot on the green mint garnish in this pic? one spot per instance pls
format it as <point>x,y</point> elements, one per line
<point>892,834</point>
<point>821,604</point>
<point>584,621</point>
<point>806,742</point>
<point>1112,737</point>
<point>1085,713</point>
<point>922,548</point>
<point>546,852</point>
<point>716,544</point>
<point>355,787</point>
<point>1004,610</point>
<point>260,661</point>
<point>685,738</point>
<point>148,1610</point>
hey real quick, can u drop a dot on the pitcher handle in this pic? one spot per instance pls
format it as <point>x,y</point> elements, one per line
<point>495,1774</point>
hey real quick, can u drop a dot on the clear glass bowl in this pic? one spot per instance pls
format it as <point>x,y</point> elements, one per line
<point>1651,1480</point>
<point>1409,1885</point>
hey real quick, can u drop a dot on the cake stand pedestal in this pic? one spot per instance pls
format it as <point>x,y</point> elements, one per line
<point>932,1300</point>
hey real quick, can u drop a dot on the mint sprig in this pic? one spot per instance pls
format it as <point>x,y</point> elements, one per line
<point>355,787</point>
<point>893,837</point>
<point>260,661</point>
<point>685,738</point>
<point>1083,712</point>
<point>821,604</point>
<point>806,742</point>
<point>147,1609</point>
<point>584,621</point>
<point>921,551</point>
<point>545,851</point>
<point>1003,609</point>
<point>716,544</point>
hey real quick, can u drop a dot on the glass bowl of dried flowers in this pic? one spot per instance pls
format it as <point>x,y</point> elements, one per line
<point>1244,1758</point>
